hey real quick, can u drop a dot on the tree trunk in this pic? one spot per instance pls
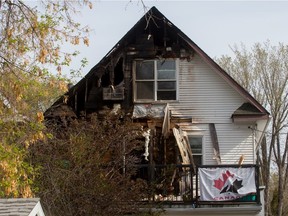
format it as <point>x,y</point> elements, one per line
<point>265,172</point>
<point>280,191</point>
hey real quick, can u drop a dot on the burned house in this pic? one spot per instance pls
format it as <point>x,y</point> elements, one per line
<point>195,116</point>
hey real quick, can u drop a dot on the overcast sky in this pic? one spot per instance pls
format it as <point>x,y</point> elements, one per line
<point>212,25</point>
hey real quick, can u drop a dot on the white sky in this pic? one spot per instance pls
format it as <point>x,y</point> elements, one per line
<point>212,25</point>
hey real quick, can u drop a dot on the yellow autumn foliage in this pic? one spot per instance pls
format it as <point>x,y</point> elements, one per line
<point>32,36</point>
<point>76,41</point>
<point>40,117</point>
<point>63,86</point>
<point>86,41</point>
<point>42,55</point>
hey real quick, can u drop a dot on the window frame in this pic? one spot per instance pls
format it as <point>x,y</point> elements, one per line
<point>198,134</point>
<point>155,81</point>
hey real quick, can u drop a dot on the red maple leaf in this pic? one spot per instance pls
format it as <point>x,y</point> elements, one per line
<point>219,183</point>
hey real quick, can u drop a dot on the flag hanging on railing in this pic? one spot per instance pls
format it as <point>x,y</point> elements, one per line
<point>226,183</point>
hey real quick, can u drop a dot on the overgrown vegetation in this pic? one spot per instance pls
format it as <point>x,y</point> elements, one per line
<point>85,169</point>
<point>88,168</point>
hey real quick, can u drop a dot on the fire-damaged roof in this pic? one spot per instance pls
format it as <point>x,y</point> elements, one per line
<point>164,33</point>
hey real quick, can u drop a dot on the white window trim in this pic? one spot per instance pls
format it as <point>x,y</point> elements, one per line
<point>155,82</point>
<point>202,134</point>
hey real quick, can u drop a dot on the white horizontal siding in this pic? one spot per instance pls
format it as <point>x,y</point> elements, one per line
<point>234,141</point>
<point>207,98</point>
<point>204,95</point>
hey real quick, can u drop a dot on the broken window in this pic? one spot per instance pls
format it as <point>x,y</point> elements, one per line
<point>155,80</point>
<point>196,147</point>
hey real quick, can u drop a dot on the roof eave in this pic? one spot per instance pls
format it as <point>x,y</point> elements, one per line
<point>249,118</point>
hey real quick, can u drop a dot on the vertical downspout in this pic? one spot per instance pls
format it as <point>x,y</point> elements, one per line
<point>253,144</point>
<point>255,149</point>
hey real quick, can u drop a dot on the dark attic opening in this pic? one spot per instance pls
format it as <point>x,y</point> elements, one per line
<point>113,75</point>
<point>106,88</point>
<point>118,73</point>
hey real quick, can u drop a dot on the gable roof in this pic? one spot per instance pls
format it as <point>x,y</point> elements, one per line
<point>151,20</point>
<point>21,207</point>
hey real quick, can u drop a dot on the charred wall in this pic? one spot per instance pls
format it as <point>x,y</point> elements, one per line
<point>110,82</point>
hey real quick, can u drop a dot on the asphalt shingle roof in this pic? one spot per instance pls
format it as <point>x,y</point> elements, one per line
<point>17,206</point>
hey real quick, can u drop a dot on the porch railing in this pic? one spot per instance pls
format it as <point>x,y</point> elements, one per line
<point>180,184</point>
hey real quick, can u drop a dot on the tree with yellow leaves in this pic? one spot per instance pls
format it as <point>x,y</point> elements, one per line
<point>31,60</point>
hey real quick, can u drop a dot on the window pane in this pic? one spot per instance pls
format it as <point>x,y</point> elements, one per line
<point>166,65</point>
<point>196,144</point>
<point>145,70</point>
<point>197,159</point>
<point>145,90</point>
<point>166,95</point>
<point>146,77</point>
<point>169,74</point>
<point>166,85</point>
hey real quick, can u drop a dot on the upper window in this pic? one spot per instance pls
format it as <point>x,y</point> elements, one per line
<point>155,80</point>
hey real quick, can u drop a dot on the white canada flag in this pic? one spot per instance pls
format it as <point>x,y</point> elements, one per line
<point>223,184</point>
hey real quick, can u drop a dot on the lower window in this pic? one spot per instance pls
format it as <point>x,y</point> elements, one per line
<point>196,143</point>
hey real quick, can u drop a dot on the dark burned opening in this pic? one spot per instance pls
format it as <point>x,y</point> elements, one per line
<point>105,79</point>
<point>113,75</point>
<point>118,72</point>
<point>111,80</point>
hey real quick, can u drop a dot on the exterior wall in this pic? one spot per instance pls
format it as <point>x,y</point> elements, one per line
<point>203,94</point>
<point>207,98</point>
<point>37,211</point>
<point>234,141</point>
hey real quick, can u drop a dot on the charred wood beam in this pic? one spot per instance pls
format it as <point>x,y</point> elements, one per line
<point>215,142</point>
<point>86,95</point>
<point>75,102</point>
